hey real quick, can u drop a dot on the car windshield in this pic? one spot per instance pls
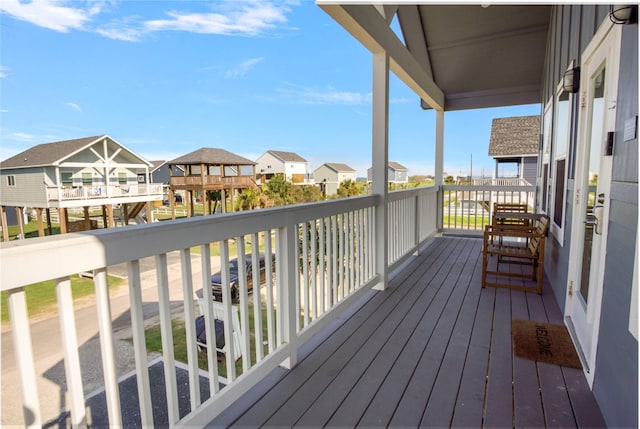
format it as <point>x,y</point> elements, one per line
<point>233,266</point>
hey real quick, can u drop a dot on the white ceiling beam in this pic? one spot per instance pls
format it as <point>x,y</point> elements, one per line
<point>365,23</point>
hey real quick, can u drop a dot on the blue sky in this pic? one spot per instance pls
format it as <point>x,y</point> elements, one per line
<point>165,78</point>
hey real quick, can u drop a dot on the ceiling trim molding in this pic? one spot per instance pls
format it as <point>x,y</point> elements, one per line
<point>365,23</point>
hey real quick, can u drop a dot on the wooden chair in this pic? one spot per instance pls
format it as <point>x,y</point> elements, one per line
<point>515,244</point>
<point>509,208</point>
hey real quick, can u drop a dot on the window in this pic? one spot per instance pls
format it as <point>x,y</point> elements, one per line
<point>11,180</point>
<point>214,170</point>
<point>561,143</point>
<point>546,151</point>
<point>230,170</point>
<point>87,179</point>
<point>122,178</point>
<point>66,177</point>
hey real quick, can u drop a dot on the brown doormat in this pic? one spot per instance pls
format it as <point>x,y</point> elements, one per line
<point>544,342</point>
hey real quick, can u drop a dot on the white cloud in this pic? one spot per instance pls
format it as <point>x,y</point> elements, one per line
<point>22,137</point>
<point>4,111</point>
<point>243,68</point>
<point>243,18</point>
<point>233,18</point>
<point>121,33</point>
<point>74,106</point>
<point>3,72</point>
<point>57,15</point>
<point>304,95</point>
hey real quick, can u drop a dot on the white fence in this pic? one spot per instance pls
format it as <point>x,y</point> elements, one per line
<point>324,255</point>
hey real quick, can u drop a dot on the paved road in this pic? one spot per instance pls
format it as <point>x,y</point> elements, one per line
<point>47,344</point>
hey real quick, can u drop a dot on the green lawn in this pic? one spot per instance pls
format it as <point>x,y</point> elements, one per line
<point>41,297</point>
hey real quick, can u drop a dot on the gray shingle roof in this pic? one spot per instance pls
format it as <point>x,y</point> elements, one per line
<point>515,136</point>
<point>287,156</point>
<point>335,166</point>
<point>215,156</point>
<point>47,154</point>
<point>397,166</point>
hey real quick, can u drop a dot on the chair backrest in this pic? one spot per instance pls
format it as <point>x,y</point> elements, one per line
<point>542,226</point>
<point>219,313</point>
<point>510,208</point>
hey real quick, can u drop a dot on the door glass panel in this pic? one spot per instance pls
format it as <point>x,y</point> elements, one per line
<point>597,115</point>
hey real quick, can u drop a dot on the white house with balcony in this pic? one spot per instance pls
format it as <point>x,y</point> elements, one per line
<point>77,174</point>
<point>272,162</point>
<point>331,174</point>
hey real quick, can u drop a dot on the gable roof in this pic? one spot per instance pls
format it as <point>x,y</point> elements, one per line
<point>397,166</point>
<point>287,156</point>
<point>515,136</point>
<point>51,154</point>
<point>209,155</point>
<point>47,154</point>
<point>338,167</point>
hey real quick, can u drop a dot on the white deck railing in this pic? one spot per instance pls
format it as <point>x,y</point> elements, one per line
<point>469,208</point>
<point>103,191</point>
<point>324,257</point>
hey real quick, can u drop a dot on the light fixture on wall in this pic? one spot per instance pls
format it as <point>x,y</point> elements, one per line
<point>623,13</point>
<point>571,80</point>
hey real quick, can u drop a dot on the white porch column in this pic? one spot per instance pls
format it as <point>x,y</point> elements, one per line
<point>439,165</point>
<point>380,161</point>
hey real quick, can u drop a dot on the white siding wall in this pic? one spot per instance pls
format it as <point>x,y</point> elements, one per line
<point>292,168</point>
<point>29,189</point>
<point>269,164</point>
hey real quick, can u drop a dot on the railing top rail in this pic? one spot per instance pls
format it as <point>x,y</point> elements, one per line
<point>407,193</point>
<point>100,248</point>
<point>501,188</point>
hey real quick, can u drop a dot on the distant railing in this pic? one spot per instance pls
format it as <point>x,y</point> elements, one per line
<point>214,181</point>
<point>512,181</point>
<point>323,255</point>
<point>468,209</point>
<point>103,191</point>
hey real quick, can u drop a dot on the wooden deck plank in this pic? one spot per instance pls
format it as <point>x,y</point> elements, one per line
<point>329,359</point>
<point>411,407</point>
<point>555,398</point>
<point>499,397</point>
<point>383,405</point>
<point>527,403</point>
<point>357,393</point>
<point>390,337</point>
<point>469,411</point>
<point>434,349</point>
<point>442,401</point>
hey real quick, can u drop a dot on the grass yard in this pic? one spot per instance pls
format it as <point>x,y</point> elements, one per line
<point>41,297</point>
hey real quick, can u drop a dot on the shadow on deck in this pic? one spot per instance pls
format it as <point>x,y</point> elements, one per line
<point>434,349</point>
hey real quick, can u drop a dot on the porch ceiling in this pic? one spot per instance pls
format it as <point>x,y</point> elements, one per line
<point>457,56</point>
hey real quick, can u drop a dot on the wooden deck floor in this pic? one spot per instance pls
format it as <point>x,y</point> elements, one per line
<point>432,350</point>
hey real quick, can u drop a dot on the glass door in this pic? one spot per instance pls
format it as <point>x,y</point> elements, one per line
<point>593,182</point>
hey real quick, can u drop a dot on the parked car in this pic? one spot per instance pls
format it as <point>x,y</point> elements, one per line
<point>216,279</point>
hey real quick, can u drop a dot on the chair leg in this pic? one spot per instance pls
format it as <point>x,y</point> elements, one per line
<point>484,269</point>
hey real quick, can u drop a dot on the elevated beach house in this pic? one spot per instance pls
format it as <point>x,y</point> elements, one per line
<point>514,145</point>
<point>77,174</point>
<point>294,167</point>
<point>373,317</point>
<point>207,170</point>
<point>330,174</point>
<point>397,173</point>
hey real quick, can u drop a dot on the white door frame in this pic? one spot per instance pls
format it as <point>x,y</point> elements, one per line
<point>585,328</point>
